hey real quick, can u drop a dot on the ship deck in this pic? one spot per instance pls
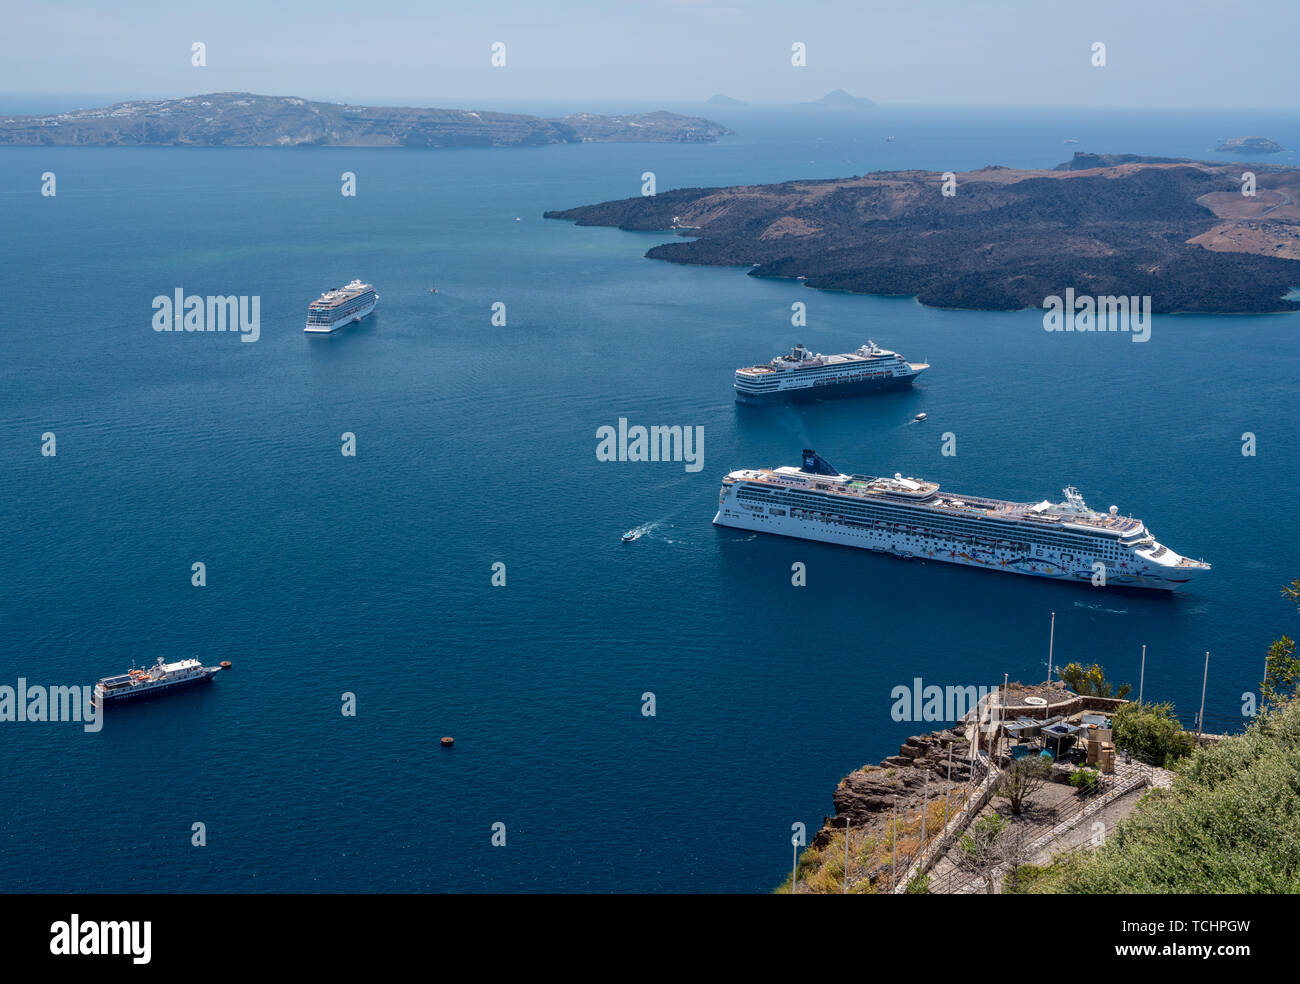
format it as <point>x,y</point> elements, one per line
<point>869,488</point>
<point>327,304</point>
<point>786,364</point>
<point>340,295</point>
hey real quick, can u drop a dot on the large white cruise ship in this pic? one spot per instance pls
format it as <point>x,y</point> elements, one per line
<point>341,305</point>
<point>910,518</point>
<point>805,375</point>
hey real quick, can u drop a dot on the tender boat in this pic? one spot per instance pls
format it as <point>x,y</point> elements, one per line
<point>919,416</point>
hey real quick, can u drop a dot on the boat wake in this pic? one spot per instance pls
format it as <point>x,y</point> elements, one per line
<point>1099,607</point>
<point>638,531</point>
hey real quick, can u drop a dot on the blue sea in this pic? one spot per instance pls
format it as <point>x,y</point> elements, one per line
<point>475,444</point>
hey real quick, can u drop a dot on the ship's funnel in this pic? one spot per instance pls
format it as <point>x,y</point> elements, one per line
<point>815,464</point>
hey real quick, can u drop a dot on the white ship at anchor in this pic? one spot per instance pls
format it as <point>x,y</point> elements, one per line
<point>911,518</point>
<point>806,375</point>
<point>340,306</point>
<point>159,679</point>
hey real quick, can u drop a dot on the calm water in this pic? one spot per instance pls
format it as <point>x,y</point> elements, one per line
<point>476,444</point>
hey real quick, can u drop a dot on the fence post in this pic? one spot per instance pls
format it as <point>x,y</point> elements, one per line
<point>925,810</point>
<point>947,793</point>
<point>848,821</point>
<point>1200,718</point>
<point>893,857</point>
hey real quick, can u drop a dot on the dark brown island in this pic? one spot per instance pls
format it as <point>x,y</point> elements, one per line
<point>1180,231</point>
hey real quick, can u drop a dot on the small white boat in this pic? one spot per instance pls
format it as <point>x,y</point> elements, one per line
<point>631,535</point>
<point>919,416</point>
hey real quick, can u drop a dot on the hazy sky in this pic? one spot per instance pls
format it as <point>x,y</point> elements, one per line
<point>940,52</point>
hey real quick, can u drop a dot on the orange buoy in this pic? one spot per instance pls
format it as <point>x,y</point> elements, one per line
<point>225,664</point>
<point>448,742</point>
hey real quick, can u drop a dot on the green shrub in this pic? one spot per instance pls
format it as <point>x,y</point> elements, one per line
<point>1090,681</point>
<point>1282,676</point>
<point>1152,734</point>
<point>983,834</point>
<point>1085,780</point>
<point>1022,878</point>
<point>1283,671</point>
<point>919,885</point>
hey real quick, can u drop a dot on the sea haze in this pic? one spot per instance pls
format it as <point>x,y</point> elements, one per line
<point>476,444</point>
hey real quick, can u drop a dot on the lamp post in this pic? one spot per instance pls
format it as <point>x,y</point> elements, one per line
<point>1051,642</point>
<point>1200,718</point>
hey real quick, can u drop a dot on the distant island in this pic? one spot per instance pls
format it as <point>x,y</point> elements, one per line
<point>725,102</point>
<point>657,127</point>
<point>1179,231</point>
<point>839,99</point>
<point>1250,145</point>
<point>241,119</point>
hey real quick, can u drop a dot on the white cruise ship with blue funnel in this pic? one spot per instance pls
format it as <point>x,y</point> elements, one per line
<point>912,518</point>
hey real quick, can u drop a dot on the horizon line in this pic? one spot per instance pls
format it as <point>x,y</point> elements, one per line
<point>403,102</point>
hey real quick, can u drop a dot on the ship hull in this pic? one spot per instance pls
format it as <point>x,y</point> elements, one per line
<point>142,694</point>
<point>810,394</point>
<point>346,319</point>
<point>920,547</point>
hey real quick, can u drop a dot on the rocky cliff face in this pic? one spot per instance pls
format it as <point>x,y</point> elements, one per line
<point>867,797</point>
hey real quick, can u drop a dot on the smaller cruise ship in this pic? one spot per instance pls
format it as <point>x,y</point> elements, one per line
<point>805,375</point>
<point>341,306</point>
<point>162,678</point>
